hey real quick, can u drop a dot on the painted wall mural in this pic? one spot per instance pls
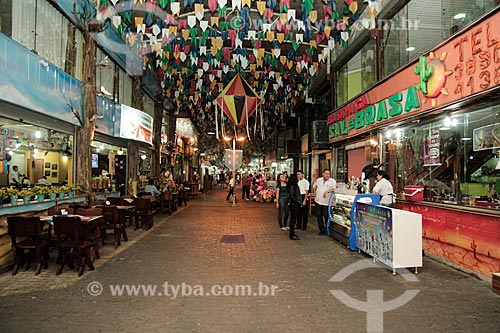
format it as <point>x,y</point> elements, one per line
<point>465,239</point>
<point>33,83</point>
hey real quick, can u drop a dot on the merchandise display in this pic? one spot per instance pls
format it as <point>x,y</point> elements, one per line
<point>341,214</point>
<point>392,236</point>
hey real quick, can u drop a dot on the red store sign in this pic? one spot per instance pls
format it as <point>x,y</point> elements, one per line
<point>467,64</point>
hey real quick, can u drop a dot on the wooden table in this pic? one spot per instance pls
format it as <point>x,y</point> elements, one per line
<point>92,230</point>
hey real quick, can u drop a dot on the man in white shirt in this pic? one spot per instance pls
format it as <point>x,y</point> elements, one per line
<point>232,184</point>
<point>323,186</point>
<point>44,181</point>
<point>14,176</point>
<point>303,217</point>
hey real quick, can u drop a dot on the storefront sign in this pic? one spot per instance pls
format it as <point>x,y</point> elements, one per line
<point>357,105</point>
<point>478,64</point>
<point>405,101</point>
<point>136,125</point>
<point>465,65</point>
<point>432,155</point>
<point>486,137</point>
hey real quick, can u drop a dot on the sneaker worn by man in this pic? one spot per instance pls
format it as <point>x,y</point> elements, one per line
<point>322,232</point>
<point>295,237</point>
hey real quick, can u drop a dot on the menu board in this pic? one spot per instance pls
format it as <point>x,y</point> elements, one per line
<point>374,232</point>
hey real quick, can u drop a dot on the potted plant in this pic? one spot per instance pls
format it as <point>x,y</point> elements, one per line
<point>26,195</point>
<point>52,192</point>
<point>71,189</point>
<point>64,189</point>
<point>12,193</point>
<point>59,190</point>
<point>41,192</point>
<point>3,196</point>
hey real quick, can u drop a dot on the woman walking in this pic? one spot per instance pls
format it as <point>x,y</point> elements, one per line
<point>295,204</point>
<point>282,196</point>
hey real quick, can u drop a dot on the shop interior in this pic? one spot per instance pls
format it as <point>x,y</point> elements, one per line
<point>37,152</point>
<point>454,156</point>
<point>109,167</point>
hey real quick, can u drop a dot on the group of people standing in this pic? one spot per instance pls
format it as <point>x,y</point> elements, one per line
<point>291,201</point>
<point>247,182</point>
<point>292,196</point>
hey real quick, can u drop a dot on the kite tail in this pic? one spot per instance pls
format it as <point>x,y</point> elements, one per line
<point>222,119</point>
<point>216,121</point>
<point>261,123</point>
<point>255,123</point>
<point>248,132</point>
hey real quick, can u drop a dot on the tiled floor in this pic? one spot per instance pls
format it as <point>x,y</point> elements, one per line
<point>185,269</point>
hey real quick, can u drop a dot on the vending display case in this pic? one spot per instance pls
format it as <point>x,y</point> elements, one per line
<point>341,214</point>
<point>391,236</point>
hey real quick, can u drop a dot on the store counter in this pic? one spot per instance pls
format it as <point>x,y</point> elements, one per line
<point>467,236</point>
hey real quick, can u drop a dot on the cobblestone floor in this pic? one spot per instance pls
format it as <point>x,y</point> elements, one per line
<point>185,251</point>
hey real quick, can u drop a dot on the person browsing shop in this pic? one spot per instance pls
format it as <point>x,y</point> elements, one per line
<point>323,187</point>
<point>384,188</point>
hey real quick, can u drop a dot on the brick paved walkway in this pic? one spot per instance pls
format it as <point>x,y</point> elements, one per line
<point>186,248</point>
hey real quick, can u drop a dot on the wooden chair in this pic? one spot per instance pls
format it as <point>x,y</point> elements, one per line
<point>71,242</point>
<point>182,197</point>
<point>144,212</point>
<point>77,206</point>
<point>95,234</point>
<point>167,203</point>
<point>31,229</point>
<point>113,222</point>
<point>115,201</point>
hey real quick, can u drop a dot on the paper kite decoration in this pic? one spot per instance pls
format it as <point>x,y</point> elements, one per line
<point>238,100</point>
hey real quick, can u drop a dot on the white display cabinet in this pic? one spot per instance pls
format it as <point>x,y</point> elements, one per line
<point>391,236</point>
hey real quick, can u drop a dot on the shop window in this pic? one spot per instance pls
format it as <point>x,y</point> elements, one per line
<point>125,88</point>
<point>105,75</point>
<point>37,152</point>
<point>418,27</point>
<point>357,75</point>
<point>49,38</point>
<point>340,174</point>
<point>456,157</point>
<point>149,105</point>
